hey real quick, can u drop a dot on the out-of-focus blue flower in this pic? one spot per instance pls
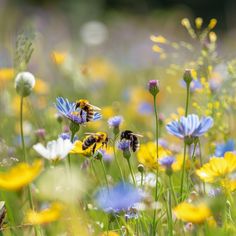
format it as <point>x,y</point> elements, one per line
<point>167,161</point>
<point>214,192</point>
<point>145,108</point>
<point>107,157</point>
<point>132,213</point>
<point>69,110</point>
<point>115,121</point>
<point>221,149</point>
<point>124,145</point>
<point>194,85</point>
<point>119,198</point>
<point>67,136</point>
<point>190,126</point>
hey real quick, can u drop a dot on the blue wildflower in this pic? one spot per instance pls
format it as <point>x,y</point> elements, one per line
<point>69,110</point>
<point>124,145</point>
<point>167,161</point>
<point>145,108</point>
<point>194,85</point>
<point>221,149</point>
<point>119,198</point>
<point>67,136</point>
<point>115,121</point>
<point>190,126</point>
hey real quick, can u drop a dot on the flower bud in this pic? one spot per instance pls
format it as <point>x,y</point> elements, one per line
<point>153,87</point>
<point>141,168</point>
<point>24,83</point>
<point>187,76</point>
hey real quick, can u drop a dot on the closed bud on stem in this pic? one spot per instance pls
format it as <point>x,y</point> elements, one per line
<point>24,83</point>
<point>153,87</point>
<point>141,168</point>
<point>187,76</point>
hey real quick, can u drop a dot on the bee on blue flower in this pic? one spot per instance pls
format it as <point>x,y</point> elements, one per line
<point>72,112</point>
<point>190,127</point>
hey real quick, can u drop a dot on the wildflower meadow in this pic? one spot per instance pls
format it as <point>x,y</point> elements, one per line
<point>133,136</point>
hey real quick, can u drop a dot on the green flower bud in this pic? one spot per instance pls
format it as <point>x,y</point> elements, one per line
<point>24,83</point>
<point>187,76</point>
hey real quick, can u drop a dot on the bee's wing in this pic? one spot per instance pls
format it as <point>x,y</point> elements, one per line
<point>138,135</point>
<point>95,108</point>
<point>88,133</point>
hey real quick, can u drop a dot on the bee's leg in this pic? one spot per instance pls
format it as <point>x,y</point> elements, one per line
<point>94,148</point>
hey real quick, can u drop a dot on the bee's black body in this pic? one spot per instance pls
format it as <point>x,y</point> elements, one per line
<point>129,135</point>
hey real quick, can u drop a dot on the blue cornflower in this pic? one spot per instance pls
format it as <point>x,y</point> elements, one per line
<point>194,85</point>
<point>221,149</point>
<point>190,127</point>
<point>167,161</point>
<point>115,121</point>
<point>124,145</point>
<point>69,110</point>
<point>118,198</point>
<point>67,136</point>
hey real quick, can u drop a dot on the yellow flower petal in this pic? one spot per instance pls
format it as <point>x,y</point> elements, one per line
<point>192,213</point>
<point>20,175</point>
<point>45,216</point>
<point>59,57</point>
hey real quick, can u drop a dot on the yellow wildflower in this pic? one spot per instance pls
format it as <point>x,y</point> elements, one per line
<point>157,49</point>
<point>20,175</point>
<point>212,23</point>
<point>212,37</point>
<point>45,216</point>
<point>109,233</point>
<point>147,154</point>
<point>158,39</point>
<point>198,22</point>
<point>59,57</point>
<point>107,112</point>
<point>217,168</point>
<point>6,74</point>
<point>196,214</point>
<point>41,87</point>
<point>229,184</point>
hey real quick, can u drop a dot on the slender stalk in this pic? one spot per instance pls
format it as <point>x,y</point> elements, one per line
<point>71,139</point>
<point>131,171</point>
<point>155,210</point>
<point>116,160</point>
<point>141,179</point>
<point>170,233</point>
<point>172,189</point>
<point>187,99</point>
<point>157,147</point>
<point>104,171</point>
<point>183,171</point>
<point>94,172</point>
<point>201,162</point>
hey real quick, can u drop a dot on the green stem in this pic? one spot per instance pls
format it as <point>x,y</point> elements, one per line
<point>170,233</point>
<point>157,125</point>
<point>104,171</point>
<point>116,160</point>
<point>183,171</point>
<point>172,189</point>
<point>131,171</point>
<point>187,99</point>
<point>141,179</point>
<point>71,139</point>
<point>201,162</point>
<point>155,210</point>
<point>94,172</point>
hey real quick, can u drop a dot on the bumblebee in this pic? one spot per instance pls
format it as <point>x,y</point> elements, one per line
<point>84,105</point>
<point>132,137</point>
<point>93,139</point>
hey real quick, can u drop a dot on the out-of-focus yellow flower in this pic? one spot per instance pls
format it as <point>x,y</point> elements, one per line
<point>198,22</point>
<point>148,157</point>
<point>212,23</point>
<point>16,106</point>
<point>109,233</point>
<point>229,184</point>
<point>108,112</point>
<point>212,37</point>
<point>59,57</point>
<point>41,87</point>
<point>6,74</point>
<point>45,216</point>
<point>196,214</point>
<point>175,116</point>
<point>185,22</point>
<point>20,175</point>
<point>217,168</point>
<point>158,39</point>
<point>101,69</point>
<point>157,49</point>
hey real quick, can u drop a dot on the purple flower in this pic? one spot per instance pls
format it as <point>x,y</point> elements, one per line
<point>40,133</point>
<point>119,198</point>
<point>69,110</point>
<point>65,136</point>
<point>153,87</point>
<point>115,121</point>
<point>167,161</point>
<point>221,149</point>
<point>190,126</point>
<point>124,145</point>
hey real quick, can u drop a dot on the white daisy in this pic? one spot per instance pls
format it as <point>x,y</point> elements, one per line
<point>55,150</point>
